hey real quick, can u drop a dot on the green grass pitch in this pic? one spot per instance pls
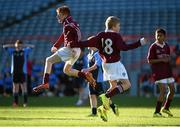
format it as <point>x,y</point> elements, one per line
<point>60,111</point>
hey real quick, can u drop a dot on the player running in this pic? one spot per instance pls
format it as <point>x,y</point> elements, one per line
<point>71,34</point>
<point>95,66</point>
<point>159,59</point>
<point>110,43</point>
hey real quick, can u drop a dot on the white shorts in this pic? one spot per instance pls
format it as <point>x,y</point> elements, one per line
<point>165,81</point>
<point>114,71</point>
<point>69,55</point>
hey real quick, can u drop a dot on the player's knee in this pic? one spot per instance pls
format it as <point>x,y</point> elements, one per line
<point>48,60</point>
<point>129,85</point>
<point>66,70</point>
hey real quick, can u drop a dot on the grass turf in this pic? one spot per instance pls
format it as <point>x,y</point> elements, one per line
<point>56,111</point>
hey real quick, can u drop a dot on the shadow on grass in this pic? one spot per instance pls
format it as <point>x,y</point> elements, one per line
<point>122,101</point>
<point>30,119</point>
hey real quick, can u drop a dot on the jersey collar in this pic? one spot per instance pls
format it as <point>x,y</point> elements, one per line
<point>107,30</point>
<point>160,45</point>
<point>67,20</point>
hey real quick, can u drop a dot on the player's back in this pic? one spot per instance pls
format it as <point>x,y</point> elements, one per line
<point>109,46</point>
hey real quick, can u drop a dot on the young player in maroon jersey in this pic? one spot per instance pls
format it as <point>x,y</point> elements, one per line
<point>71,34</point>
<point>159,59</point>
<point>110,44</point>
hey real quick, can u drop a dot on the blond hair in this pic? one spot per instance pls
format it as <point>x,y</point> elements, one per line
<point>64,9</point>
<point>111,21</point>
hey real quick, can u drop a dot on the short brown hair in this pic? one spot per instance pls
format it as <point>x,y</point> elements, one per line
<point>160,30</point>
<point>111,21</point>
<point>18,42</point>
<point>64,9</point>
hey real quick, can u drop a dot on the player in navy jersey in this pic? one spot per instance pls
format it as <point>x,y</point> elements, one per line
<point>71,34</point>
<point>159,60</point>
<point>19,56</point>
<point>110,44</point>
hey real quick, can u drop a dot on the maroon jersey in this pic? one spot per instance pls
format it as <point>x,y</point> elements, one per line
<point>109,45</point>
<point>71,33</point>
<point>160,70</point>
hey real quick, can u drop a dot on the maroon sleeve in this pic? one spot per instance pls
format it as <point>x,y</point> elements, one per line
<point>151,53</point>
<point>59,41</point>
<point>93,42</point>
<point>124,47</point>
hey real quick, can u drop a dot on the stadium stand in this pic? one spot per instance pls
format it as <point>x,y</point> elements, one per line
<point>35,22</point>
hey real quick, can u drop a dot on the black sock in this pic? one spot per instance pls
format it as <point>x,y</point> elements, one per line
<point>46,78</point>
<point>16,98</point>
<point>25,98</point>
<point>112,106</point>
<point>94,111</point>
<point>158,106</point>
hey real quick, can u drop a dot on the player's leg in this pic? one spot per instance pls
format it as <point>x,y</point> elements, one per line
<point>169,99</point>
<point>125,83</point>
<point>24,93</point>
<point>105,96</point>
<point>114,108</point>
<point>24,89</point>
<point>116,88</point>
<point>162,89</point>
<point>69,70</point>
<point>93,104</point>
<point>15,94</point>
<point>93,93</point>
<point>76,73</point>
<point>47,70</point>
<point>118,79</point>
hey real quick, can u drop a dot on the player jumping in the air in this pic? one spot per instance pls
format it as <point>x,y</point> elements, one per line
<point>71,34</point>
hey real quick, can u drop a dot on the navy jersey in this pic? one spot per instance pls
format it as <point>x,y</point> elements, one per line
<point>19,60</point>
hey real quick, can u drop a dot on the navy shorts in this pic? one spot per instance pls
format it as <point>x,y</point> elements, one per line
<point>19,78</point>
<point>99,89</point>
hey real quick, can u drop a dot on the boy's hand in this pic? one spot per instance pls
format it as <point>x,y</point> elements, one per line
<point>85,70</point>
<point>143,41</point>
<point>166,59</point>
<point>53,49</point>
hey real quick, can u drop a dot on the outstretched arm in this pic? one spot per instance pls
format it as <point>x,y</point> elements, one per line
<point>9,47</point>
<point>89,69</point>
<point>93,42</point>
<point>123,46</point>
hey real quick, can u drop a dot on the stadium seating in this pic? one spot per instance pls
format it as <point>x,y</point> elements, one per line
<point>138,18</point>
